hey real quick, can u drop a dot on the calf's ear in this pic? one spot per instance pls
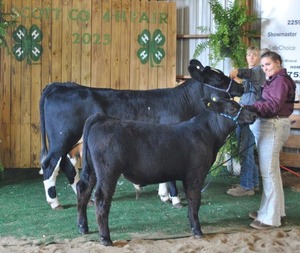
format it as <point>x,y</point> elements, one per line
<point>197,63</point>
<point>195,73</point>
<point>207,68</point>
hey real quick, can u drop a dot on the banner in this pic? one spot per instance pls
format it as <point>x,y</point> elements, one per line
<point>280,32</point>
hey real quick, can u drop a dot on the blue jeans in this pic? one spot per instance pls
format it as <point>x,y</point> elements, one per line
<point>249,177</point>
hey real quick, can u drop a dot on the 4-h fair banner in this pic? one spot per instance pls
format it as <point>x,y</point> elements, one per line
<point>119,44</point>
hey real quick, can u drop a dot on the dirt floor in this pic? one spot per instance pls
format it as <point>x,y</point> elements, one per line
<point>276,240</point>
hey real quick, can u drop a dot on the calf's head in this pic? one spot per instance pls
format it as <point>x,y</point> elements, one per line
<point>230,109</point>
<point>215,79</point>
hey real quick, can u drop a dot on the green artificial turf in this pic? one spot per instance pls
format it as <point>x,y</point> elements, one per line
<point>24,211</point>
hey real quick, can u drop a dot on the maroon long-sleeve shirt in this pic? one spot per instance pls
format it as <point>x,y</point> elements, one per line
<point>278,94</point>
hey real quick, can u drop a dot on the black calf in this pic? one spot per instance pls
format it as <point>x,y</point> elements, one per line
<point>149,153</point>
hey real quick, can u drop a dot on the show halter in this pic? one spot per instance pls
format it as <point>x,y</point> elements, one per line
<point>216,88</point>
<point>235,118</point>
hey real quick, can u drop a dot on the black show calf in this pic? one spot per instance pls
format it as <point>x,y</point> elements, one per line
<point>64,107</point>
<point>149,153</point>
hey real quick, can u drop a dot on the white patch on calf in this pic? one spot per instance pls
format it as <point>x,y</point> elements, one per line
<point>163,192</point>
<point>73,155</point>
<point>53,202</point>
<point>73,160</point>
<point>41,170</point>
<point>76,179</point>
<point>175,200</point>
<point>138,189</point>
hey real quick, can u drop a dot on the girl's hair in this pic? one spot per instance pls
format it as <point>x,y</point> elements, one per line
<point>253,49</point>
<point>272,55</point>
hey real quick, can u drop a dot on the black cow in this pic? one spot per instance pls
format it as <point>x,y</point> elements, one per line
<point>64,108</point>
<point>149,153</point>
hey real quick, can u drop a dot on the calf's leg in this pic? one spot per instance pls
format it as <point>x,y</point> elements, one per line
<point>67,165</point>
<point>193,195</point>
<point>51,166</point>
<point>163,192</point>
<point>165,195</point>
<point>84,188</point>
<point>103,197</point>
<point>176,202</point>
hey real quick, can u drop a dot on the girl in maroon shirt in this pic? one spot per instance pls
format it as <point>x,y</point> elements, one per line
<point>271,130</point>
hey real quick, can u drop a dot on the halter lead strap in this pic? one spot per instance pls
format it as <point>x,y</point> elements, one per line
<point>216,88</point>
<point>235,118</point>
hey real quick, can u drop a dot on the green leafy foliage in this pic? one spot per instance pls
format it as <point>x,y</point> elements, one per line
<point>227,40</point>
<point>231,148</point>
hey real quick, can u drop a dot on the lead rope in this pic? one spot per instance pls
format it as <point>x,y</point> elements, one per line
<point>235,119</point>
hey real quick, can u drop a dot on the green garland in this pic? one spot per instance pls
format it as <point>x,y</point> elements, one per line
<point>227,41</point>
<point>231,148</point>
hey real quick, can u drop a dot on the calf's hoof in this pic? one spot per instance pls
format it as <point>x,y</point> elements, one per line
<point>178,205</point>
<point>164,198</point>
<point>106,242</point>
<point>176,201</point>
<point>59,207</point>
<point>83,230</point>
<point>198,236</point>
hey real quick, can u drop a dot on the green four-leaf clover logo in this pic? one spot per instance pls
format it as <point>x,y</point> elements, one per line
<point>151,47</point>
<point>27,43</point>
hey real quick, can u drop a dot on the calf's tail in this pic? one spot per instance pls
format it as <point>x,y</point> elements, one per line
<point>87,166</point>
<point>48,89</point>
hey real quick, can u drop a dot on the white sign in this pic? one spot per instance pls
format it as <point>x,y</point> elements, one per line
<point>280,32</point>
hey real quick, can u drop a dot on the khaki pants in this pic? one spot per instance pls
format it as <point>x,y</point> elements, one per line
<point>270,135</point>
